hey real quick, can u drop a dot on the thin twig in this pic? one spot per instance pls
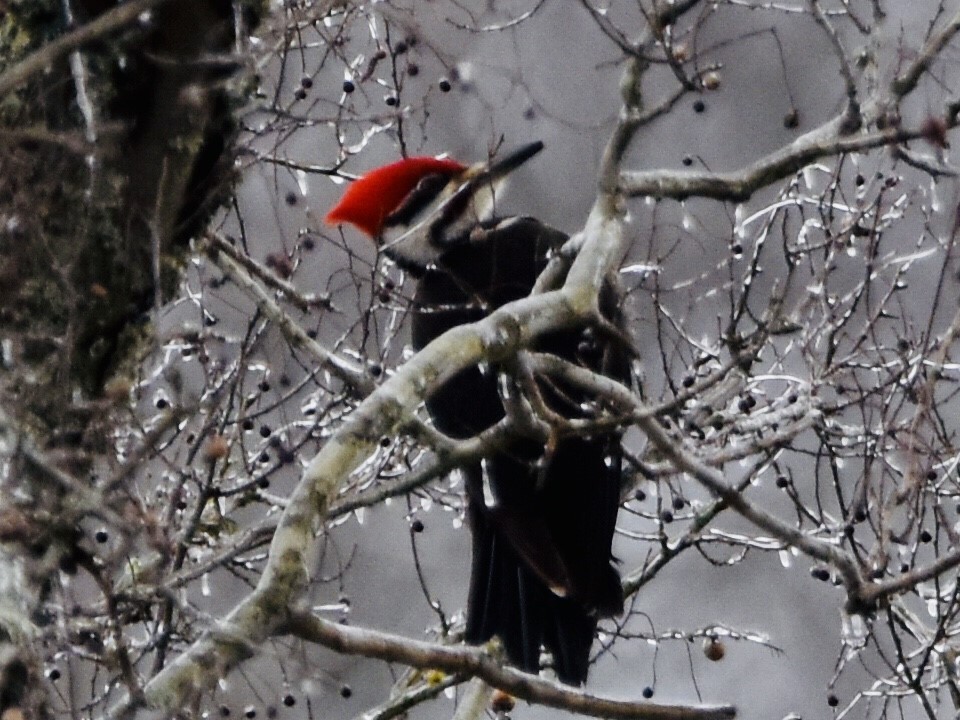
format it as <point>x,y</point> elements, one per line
<point>351,373</point>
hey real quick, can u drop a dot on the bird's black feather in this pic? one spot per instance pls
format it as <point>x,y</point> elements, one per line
<point>553,518</point>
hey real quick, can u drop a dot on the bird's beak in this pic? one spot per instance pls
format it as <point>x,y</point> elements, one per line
<point>511,162</point>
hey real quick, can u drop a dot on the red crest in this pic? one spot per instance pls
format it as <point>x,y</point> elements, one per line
<point>370,199</point>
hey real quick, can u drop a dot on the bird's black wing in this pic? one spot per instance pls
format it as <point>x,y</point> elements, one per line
<point>542,519</point>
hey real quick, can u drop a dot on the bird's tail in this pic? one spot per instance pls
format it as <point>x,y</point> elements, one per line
<point>510,601</point>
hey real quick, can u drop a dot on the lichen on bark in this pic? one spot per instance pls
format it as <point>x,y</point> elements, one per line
<point>111,161</point>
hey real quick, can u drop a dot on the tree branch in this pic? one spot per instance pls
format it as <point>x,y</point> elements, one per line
<point>41,59</point>
<point>877,591</point>
<point>713,480</point>
<point>474,661</point>
<point>739,185</point>
<point>907,81</point>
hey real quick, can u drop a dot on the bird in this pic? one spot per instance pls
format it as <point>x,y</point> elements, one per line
<point>542,514</point>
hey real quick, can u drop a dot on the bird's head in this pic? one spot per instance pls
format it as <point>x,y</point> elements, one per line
<point>419,207</point>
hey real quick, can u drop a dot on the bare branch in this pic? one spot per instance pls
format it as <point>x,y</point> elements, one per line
<point>852,120</point>
<point>475,662</point>
<point>40,59</point>
<point>740,185</point>
<point>713,480</point>
<point>907,80</point>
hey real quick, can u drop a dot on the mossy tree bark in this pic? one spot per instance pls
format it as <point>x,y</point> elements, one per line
<point>111,159</point>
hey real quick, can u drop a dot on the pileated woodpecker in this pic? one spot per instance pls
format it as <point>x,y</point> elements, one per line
<point>542,514</point>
